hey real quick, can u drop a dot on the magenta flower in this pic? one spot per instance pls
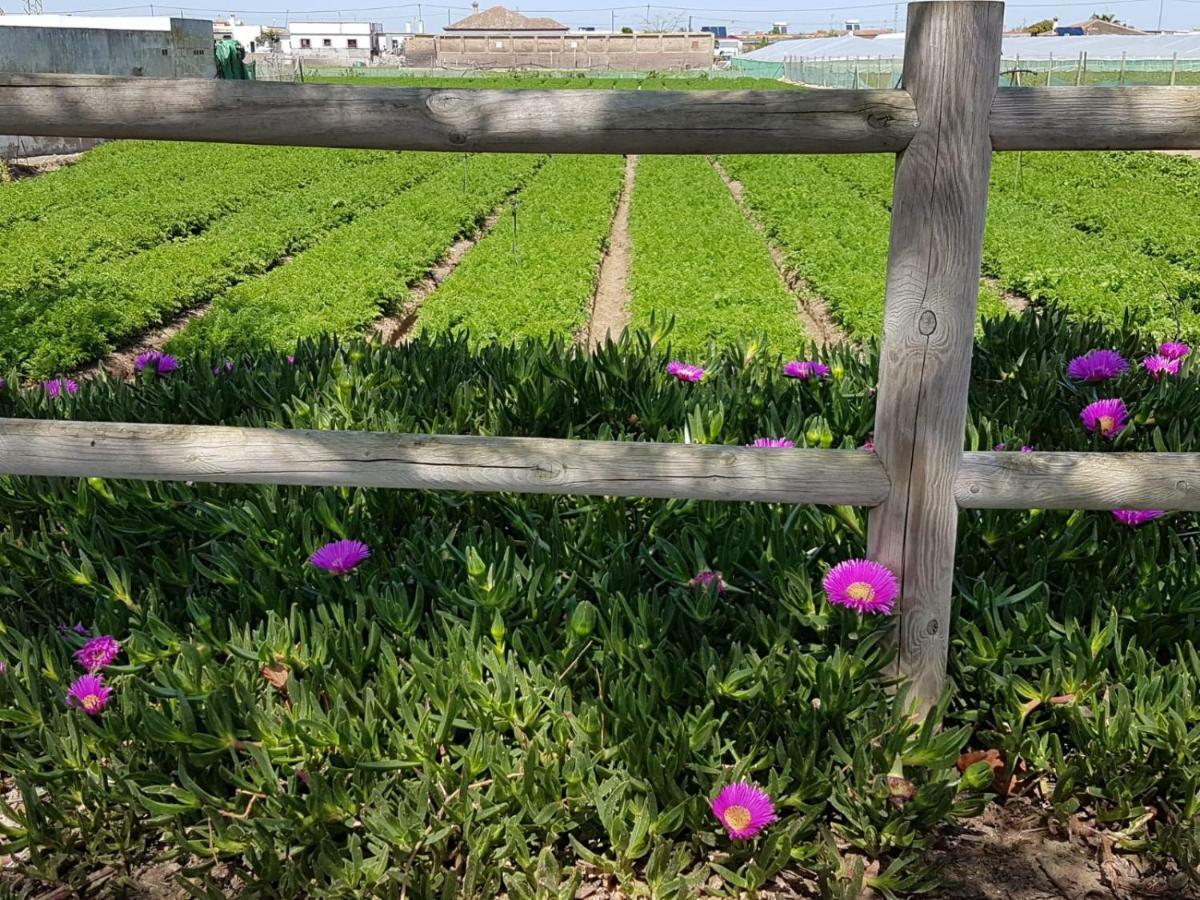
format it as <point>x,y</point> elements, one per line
<point>744,809</point>
<point>89,693</point>
<point>869,444</point>
<point>162,363</point>
<point>1159,365</point>
<point>226,366</point>
<point>56,387</point>
<point>684,371</point>
<point>999,446</point>
<point>772,442</point>
<point>1137,516</point>
<point>3,667</point>
<point>805,369</point>
<point>340,557</point>
<point>1025,448</point>
<point>1106,416</point>
<point>862,585</point>
<point>1097,365</point>
<point>291,360</point>
<point>706,577</point>
<point>1174,350</point>
<point>98,653</point>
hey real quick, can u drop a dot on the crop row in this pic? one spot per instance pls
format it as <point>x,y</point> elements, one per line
<point>534,274</point>
<point>345,281</point>
<point>104,302</point>
<point>116,169</point>
<point>1072,229</point>
<point>696,258</point>
<point>184,201</point>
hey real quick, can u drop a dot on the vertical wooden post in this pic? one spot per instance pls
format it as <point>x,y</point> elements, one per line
<point>952,71</point>
<point>1121,76</point>
<point>1174,66</point>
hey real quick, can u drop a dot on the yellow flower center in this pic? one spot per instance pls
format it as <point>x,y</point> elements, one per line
<point>91,703</point>
<point>737,817</point>
<point>861,591</point>
<point>1107,424</point>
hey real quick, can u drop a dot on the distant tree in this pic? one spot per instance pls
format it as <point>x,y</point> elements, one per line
<point>1108,17</point>
<point>663,21</point>
<point>625,29</point>
<point>1041,27</point>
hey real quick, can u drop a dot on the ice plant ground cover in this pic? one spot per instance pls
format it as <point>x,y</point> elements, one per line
<point>508,686</point>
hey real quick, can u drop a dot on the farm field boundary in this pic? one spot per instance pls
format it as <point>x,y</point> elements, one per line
<point>610,303</point>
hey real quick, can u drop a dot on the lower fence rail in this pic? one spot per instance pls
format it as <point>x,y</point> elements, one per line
<point>212,453</point>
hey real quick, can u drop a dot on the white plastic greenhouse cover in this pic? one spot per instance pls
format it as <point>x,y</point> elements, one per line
<point>1103,46</point>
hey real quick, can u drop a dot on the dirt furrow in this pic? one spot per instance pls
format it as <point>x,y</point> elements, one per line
<point>1016,303</point>
<point>810,306</point>
<point>610,303</point>
<point>396,328</point>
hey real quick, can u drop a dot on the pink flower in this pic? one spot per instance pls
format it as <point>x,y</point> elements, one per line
<point>1106,416</point>
<point>869,444</point>
<point>744,809</point>
<point>161,363</point>
<point>1025,448</point>
<point>706,577</point>
<point>772,442</point>
<point>56,387</point>
<point>1158,366</point>
<point>226,366</point>
<point>999,446</point>
<point>805,369</point>
<point>1174,350</point>
<point>291,360</point>
<point>98,653</point>
<point>89,693</point>
<point>1097,365</point>
<point>862,585</point>
<point>340,557</point>
<point>1137,516</point>
<point>684,371</point>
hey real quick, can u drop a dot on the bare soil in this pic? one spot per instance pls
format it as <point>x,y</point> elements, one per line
<point>610,304</point>
<point>810,306</point>
<point>396,328</point>
<point>32,166</point>
<point>1016,303</point>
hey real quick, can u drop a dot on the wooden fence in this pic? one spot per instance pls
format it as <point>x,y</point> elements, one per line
<point>943,126</point>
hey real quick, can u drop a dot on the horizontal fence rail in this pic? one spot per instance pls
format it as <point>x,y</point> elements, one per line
<point>1096,118</point>
<point>1079,481</point>
<point>578,121</point>
<point>443,462</point>
<point>527,121</point>
<point>210,453</point>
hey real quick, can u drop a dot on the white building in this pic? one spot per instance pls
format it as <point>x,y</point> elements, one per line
<point>728,47</point>
<point>336,42</point>
<point>392,42</point>
<point>255,38</point>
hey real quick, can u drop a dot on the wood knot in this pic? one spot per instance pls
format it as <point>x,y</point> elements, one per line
<point>932,627</point>
<point>927,323</point>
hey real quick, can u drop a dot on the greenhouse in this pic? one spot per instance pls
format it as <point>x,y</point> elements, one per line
<point>852,62</point>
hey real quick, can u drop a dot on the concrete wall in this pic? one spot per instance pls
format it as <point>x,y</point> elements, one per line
<point>634,52</point>
<point>184,50</point>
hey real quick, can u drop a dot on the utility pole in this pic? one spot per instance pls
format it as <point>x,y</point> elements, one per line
<point>613,14</point>
<point>1160,15</point>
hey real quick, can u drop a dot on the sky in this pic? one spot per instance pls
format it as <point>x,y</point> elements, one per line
<point>801,15</point>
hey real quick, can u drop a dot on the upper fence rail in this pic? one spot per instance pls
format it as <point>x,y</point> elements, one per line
<point>578,121</point>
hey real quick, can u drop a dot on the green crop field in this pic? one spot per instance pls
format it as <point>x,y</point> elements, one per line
<point>540,696</point>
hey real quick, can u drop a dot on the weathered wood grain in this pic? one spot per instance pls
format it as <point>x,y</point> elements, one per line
<point>443,462</point>
<point>1096,118</point>
<point>1079,481</point>
<point>951,68</point>
<point>569,121</point>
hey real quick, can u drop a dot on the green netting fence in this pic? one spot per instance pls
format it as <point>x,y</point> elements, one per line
<point>885,71</point>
